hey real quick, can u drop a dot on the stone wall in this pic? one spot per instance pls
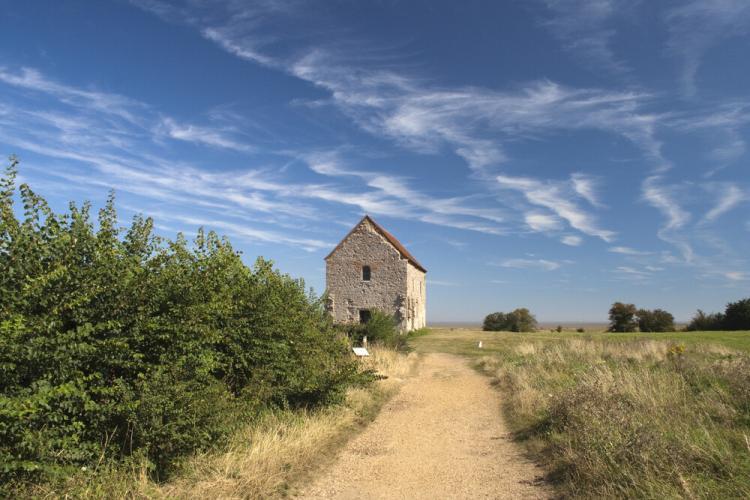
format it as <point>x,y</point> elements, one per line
<point>389,282</point>
<point>416,292</point>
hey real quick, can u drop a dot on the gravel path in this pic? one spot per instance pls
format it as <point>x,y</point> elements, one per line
<point>442,436</point>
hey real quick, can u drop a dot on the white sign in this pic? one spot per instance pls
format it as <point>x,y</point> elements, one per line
<point>360,351</point>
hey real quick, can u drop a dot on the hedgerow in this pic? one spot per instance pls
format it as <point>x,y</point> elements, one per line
<point>118,345</point>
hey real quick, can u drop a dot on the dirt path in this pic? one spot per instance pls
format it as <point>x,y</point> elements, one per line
<point>442,436</point>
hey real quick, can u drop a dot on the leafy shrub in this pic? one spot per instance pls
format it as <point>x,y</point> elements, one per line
<point>519,320</point>
<point>120,344</point>
<point>622,317</point>
<point>657,320</point>
<point>580,330</point>
<point>380,329</point>
<point>737,315</point>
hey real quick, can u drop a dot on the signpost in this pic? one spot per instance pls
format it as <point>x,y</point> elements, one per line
<point>360,352</point>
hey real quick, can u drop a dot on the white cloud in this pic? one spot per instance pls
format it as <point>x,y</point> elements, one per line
<point>631,273</point>
<point>728,197</point>
<point>586,187</point>
<point>101,102</point>
<point>542,222</point>
<point>472,122</point>
<point>662,199</point>
<point>627,251</point>
<point>571,240</point>
<point>202,135</point>
<point>556,198</point>
<point>736,276</point>
<point>586,29</point>
<point>545,265</point>
<point>695,26</point>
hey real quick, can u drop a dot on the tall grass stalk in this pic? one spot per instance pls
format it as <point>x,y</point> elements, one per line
<point>638,419</point>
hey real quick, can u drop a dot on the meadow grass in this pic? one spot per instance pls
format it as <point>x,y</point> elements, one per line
<point>268,458</point>
<point>623,415</point>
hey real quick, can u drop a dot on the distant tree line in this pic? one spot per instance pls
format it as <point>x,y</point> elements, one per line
<point>627,318</point>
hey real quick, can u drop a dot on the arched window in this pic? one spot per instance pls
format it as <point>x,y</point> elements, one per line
<point>365,273</point>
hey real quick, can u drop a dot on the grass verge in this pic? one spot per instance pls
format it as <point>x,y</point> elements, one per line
<point>269,458</point>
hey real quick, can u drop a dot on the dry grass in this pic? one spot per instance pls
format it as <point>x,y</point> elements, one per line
<point>266,459</point>
<point>638,419</point>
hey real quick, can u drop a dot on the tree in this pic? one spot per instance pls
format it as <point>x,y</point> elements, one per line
<point>494,322</point>
<point>737,315</point>
<point>519,320</point>
<point>622,317</point>
<point>657,320</point>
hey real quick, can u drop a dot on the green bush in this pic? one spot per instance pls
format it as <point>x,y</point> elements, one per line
<point>737,315</point>
<point>519,320</point>
<point>706,322</point>
<point>657,320</point>
<point>380,329</point>
<point>117,344</point>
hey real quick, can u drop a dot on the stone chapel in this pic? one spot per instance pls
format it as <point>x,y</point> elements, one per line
<point>370,269</point>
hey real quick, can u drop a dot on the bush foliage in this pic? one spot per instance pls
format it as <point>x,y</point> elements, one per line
<point>381,329</point>
<point>519,320</point>
<point>115,343</point>
<point>657,320</point>
<point>736,316</point>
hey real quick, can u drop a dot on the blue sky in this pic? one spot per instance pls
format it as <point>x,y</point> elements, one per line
<point>553,154</point>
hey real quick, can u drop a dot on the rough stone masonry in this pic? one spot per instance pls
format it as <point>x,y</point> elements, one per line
<point>370,269</point>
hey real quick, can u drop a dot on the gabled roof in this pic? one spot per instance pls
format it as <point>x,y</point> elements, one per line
<point>388,236</point>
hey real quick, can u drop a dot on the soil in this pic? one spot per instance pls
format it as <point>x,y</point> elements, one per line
<point>441,436</point>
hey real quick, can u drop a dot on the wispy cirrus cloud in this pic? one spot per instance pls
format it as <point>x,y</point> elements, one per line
<point>571,240</point>
<point>541,264</point>
<point>209,136</point>
<point>722,125</point>
<point>105,103</point>
<point>557,197</point>
<point>472,122</point>
<point>662,198</point>
<point>128,154</point>
<point>695,26</point>
<point>402,199</point>
<point>586,29</point>
<point>728,196</point>
<point>627,251</point>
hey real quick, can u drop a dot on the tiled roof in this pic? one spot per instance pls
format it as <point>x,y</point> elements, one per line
<point>388,236</point>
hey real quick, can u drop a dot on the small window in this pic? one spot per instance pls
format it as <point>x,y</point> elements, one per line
<point>364,316</point>
<point>365,273</point>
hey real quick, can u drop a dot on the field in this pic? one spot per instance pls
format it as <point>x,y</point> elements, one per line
<point>622,415</point>
<point>458,340</point>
